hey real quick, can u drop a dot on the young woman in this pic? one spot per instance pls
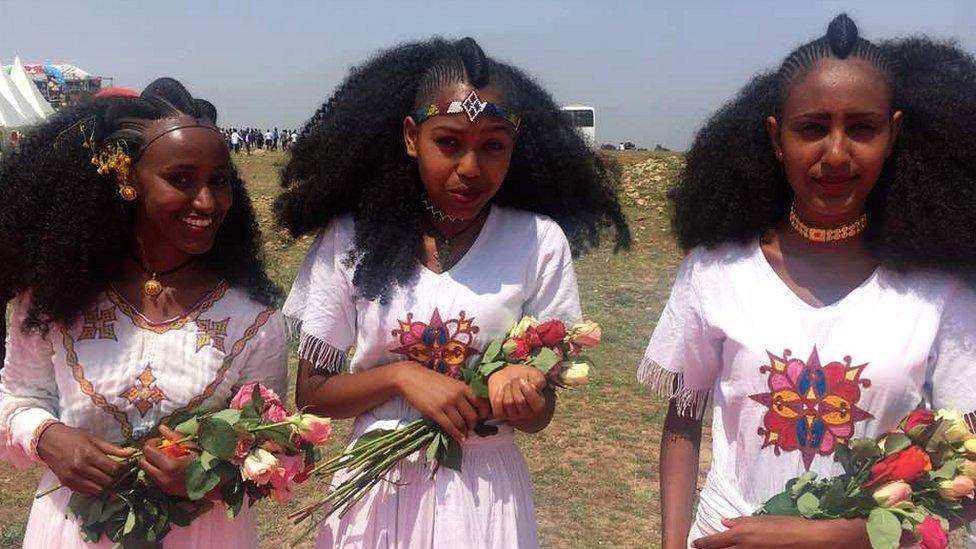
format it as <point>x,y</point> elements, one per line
<point>132,248</point>
<point>444,186</point>
<point>829,211</point>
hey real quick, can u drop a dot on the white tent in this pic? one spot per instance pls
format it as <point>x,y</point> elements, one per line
<point>13,98</point>
<point>10,117</point>
<point>29,90</point>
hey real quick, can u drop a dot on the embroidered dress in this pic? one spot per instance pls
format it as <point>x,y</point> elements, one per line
<point>789,381</point>
<point>519,264</point>
<point>117,374</point>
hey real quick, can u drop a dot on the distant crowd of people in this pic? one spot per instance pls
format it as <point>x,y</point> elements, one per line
<point>246,139</point>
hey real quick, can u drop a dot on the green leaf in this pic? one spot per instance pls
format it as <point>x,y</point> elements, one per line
<point>947,471</point>
<point>79,504</point>
<point>280,435</point>
<point>199,481</point>
<point>802,482</point>
<point>545,359</point>
<point>130,523</point>
<point>230,415</point>
<point>492,352</point>
<point>232,494</point>
<point>884,529</point>
<point>479,386</point>
<point>208,460</point>
<point>781,504</point>
<point>491,367</point>
<point>834,500</point>
<point>370,436</point>
<point>218,437</point>
<point>482,429</point>
<point>895,442</point>
<point>808,504</point>
<point>451,457</point>
<point>188,427</point>
<point>433,449</point>
<point>865,448</point>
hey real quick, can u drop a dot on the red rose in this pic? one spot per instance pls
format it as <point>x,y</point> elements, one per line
<point>907,465</point>
<point>918,418</point>
<point>521,350</point>
<point>531,336</point>
<point>551,333</point>
<point>932,535</point>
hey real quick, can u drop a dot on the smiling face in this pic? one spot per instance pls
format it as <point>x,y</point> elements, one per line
<point>184,185</point>
<point>462,164</point>
<point>833,137</point>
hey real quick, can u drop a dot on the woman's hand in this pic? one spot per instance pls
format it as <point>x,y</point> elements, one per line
<point>516,395</point>
<point>82,461</point>
<point>772,532</point>
<point>169,473</point>
<point>447,401</point>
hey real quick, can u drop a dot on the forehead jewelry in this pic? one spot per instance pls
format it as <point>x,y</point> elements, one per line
<point>472,106</point>
<point>827,235</point>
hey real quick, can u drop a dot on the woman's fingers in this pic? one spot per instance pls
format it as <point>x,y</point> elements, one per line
<point>107,447</point>
<point>448,425</point>
<point>533,398</point>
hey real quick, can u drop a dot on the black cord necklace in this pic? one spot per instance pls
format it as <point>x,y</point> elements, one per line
<point>153,287</point>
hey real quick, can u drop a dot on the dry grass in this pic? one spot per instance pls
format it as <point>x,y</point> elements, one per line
<point>594,467</point>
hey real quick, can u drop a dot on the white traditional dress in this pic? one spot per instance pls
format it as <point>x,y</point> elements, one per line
<point>117,374</point>
<point>789,381</point>
<point>520,264</point>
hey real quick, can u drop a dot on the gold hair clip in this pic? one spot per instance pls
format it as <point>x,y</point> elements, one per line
<point>112,158</point>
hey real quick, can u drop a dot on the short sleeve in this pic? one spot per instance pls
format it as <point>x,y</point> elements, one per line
<point>321,306</point>
<point>951,379</point>
<point>554,294</point>
<point>28,390</point>
<point>266,359</point>
<point>683,358</point>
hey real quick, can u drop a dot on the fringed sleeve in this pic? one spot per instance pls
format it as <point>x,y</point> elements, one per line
<point>684,355</point>
<point>321,307</point>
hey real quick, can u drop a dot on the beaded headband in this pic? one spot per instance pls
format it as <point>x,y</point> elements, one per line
<point>472,106</point>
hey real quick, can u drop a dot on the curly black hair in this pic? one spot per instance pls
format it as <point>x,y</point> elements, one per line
<point>351,158</point>
<point>64,230</point>
<point>923,208</point>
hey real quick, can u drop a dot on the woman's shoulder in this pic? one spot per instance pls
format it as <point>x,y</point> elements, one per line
<point>720,259</point>
<point>927,286</point>
<point>523,223</point>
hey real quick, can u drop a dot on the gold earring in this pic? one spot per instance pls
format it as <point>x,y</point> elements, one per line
<point>128,192</point>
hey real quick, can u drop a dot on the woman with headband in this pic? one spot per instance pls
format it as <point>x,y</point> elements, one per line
<point>132,249</point>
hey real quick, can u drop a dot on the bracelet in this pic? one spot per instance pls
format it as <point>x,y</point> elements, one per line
<point>36,437</point>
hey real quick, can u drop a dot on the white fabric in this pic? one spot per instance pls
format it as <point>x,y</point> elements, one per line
<point>893,343</point>
<point>520,264</point>
<point>116,374</point>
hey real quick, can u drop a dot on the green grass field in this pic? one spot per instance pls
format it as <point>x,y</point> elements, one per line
<point>594,468</point>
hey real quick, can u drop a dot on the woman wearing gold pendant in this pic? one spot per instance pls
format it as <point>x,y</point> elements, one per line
<point>130,244</point>
<point>828,212</point>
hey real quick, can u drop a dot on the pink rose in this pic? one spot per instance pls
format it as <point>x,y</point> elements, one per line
<point>283,477</point>
<point>957,488</point>
<point>243,396</point>
<point>243,448</point>
<point>587,334</point>
<point>275,413</point>
<point>932,535</point>
<point>259,466</point>
<point>312,429</point>
<point>893,493</point>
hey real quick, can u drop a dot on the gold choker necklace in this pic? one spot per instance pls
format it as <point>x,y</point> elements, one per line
<point>827,235</point>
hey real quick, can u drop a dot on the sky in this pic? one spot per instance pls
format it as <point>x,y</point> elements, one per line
<point>653,70</point>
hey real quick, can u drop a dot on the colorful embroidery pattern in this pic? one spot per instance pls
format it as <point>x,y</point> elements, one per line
<point>144,395</point>
<point>211,332</point>
<point>205,303</point>
<point>99,324</point>
<point>811,407</point>
<point>441,346</point>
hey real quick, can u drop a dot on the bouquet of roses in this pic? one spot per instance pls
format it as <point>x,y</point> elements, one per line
<point>254,449</point>
<point>909,483</point>
<point>549,346</point>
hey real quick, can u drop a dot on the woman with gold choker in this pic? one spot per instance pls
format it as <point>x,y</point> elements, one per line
<point>829,212</point>
<point>131,246</point>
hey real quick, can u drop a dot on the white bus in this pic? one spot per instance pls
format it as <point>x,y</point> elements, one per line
<point>584,118</point>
